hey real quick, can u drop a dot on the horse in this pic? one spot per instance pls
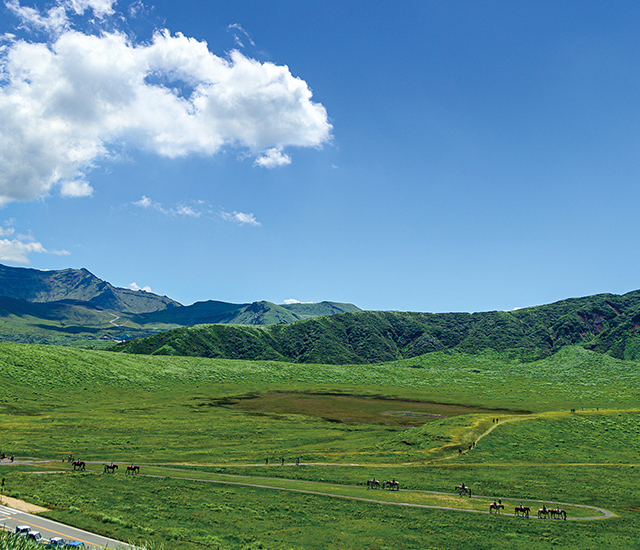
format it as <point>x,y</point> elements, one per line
<point>373,484</point>
<point>110,468</point>
<point>493,506</point>
<point>133,470</point>
<point>543,513</point>
<point>557,514</point>
<point>463,489</point>
<point>522,511</point>
<point>78,465</point>
<point>391,485</point>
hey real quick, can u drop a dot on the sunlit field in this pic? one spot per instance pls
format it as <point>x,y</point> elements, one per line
<point>271,455</point>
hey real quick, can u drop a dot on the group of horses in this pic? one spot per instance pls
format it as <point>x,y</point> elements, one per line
<point>80,465</point>
<point>131,470</point>
<point>524,511</point>
<point>392,485</point>
<point>553,513</point>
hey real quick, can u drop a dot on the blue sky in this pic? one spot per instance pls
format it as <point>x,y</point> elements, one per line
<point>414,156</point>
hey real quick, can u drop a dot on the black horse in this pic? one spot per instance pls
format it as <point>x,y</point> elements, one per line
<point>495,508</point>
<point>522,511</point>
<point>110,468</point>
<point>133,470</point>
<point>78,465</point>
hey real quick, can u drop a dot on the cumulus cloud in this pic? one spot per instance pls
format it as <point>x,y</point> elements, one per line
<point>290,301</point>
<point>240,218</point>
<point>18,249</point>
<point>77,99</point>
<point>273,158</point>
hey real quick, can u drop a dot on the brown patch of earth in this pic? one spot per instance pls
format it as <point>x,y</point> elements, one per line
<point>22,505</point>
<point>348,408</point>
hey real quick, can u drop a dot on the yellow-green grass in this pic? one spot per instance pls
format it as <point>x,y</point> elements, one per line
<point>185,413</point>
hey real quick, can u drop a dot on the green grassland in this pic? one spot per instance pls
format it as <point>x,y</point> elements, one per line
<point>202,429</point>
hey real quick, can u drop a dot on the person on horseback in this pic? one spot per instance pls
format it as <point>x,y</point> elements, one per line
<point>521,507</point>
<point>544,509</point>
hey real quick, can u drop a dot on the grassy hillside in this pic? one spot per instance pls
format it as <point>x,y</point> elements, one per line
<point>32,285</point>
<point>604,323</point>
<point>74,307</point>
<point>256,313</point>
<point>202,430</point>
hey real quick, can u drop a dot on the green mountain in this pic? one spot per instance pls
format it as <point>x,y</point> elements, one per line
<point>606,323</point>
<point>32,285</point>
<point>74,307</point>
<point>256,313</point>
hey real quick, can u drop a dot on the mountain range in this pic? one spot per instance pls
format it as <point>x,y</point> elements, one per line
<point>74,307</point>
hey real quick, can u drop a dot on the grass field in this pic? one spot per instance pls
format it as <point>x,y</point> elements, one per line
<point>202,430</point>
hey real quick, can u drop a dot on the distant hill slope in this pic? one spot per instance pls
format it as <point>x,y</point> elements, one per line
<point>256,313</point>
<point>74,307</point>
<point>32,285</point>
<point>606,323</point>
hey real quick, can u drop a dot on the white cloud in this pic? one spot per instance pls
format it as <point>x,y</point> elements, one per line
<point>240,218</point>
<point>71,102</point>
<point>18,248</point>
<point>193,210</point>
<point>290,301</point>
<point>236,35</point>
<point>272,158</point>
<point>185,210</point>
<point>134,286</point>
<point>17,251</point>
<point>75,188</point>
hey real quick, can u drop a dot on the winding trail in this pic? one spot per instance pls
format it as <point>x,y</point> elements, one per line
<point>478,504</point>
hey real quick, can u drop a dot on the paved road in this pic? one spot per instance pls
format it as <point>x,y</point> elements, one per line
<point>10,518</point>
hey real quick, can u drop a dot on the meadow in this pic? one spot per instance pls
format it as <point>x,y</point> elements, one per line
<point>202,431</point>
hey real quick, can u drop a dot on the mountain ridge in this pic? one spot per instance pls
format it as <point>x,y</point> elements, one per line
<point>74,307</point>
<point>606,323</point>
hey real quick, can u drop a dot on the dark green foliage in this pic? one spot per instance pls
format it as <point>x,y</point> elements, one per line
<point>605,323</point>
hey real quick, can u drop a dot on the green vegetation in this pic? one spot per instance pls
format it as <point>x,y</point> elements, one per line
<point>73,307</point>
<point>202,429</point>
<point>604,323</point>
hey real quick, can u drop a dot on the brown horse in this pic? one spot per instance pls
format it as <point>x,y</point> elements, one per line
<point>373,484</point>
<point>110,468</point>
<point>463,489</point>
<point>493,507</point>
<point>543,513</point>
<point>133,470</point>
<point>522,511</point>
<point>392,485</point>
<point>557,514</point>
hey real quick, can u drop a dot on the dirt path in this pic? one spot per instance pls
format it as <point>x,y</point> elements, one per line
<point>228,480</point>
<point>22,505</point>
